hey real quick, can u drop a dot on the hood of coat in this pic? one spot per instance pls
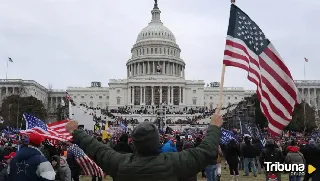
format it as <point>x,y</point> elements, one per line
<point>63,162</point>
<point>146,140</point>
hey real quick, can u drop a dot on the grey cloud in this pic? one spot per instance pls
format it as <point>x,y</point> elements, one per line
<point>73,42</point>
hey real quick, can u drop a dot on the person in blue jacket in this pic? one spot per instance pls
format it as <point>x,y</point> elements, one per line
<point>30,164</point>
<point>169,147</point>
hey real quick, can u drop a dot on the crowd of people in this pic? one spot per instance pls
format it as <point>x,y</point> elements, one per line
<point>193,115</point>
<point>144,154</point>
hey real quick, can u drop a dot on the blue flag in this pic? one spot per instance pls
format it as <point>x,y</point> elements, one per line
<point>226,136</point>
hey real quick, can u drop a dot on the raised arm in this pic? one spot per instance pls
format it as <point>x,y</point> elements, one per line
<point>189,162</point>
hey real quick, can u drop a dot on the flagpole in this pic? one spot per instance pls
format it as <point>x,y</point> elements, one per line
<point>222,81</point>
<point>221,88</point>
<point>7,70</point>
<point>304,100</point>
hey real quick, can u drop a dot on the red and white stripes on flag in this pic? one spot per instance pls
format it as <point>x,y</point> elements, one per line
<point>59,128</point>
<point>55,132</point>
<point>87,166</point>
<point>276,90</point>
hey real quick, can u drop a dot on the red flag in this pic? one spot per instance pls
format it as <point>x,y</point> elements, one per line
<point>248,48</point>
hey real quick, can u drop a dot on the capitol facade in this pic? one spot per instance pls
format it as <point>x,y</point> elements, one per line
<point>155,76</point>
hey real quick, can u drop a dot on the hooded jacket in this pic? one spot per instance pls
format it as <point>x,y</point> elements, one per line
<point>148,163</point>
<point>271,153</point>
<point>188,145</point>
<point>294,156</point>
<point>63,172</point>
<point>30,164</point>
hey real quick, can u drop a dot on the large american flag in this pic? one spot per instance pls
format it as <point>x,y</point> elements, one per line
<point>88,166</point>
<point>248,48</point>
<point>54,131</point>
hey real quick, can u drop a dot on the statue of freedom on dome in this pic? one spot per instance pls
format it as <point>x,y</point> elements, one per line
<point>155,3</point>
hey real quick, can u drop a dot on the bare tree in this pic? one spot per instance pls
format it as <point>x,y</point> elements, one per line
<point>22,91</point>
<point>49,96</point>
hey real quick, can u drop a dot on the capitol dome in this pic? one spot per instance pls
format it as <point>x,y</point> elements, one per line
<point>156,30</point>
<point>155,51</point>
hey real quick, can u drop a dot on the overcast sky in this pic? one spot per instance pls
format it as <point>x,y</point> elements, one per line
<point>73,42</point>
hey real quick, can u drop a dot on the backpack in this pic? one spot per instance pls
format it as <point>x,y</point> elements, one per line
<point>273,156</point>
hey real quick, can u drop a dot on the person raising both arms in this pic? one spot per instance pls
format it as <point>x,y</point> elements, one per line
<point>148,163</point>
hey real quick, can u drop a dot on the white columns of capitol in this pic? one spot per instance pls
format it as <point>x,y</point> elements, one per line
<point>129,95</point>
<point>132,70</point>
<point>171,102</point>
<point>144,67</point>
<point>160,94</point>
<point>152,90</point>
<point>153,68</point>
<point>144,94</point>
<point>183,69</point>
<point>133,101</point>
<point>140,95</point>
<point>181,101</point>
<point>163,67</point>
<point>173,69</point>
<point>148,65</point>
<point>168,95</point>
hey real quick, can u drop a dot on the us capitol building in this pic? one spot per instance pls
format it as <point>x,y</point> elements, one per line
<point>155,75</point>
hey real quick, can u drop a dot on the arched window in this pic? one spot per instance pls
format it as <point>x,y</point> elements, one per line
<point>147,50</point>
<point>142,51</point>
<point>137,52</point>
<point>174,53</point>
<point>155,50</point>
<point>160,50</point>
<point>164,51</point>
<point>171,52</point>
<point>151,50</point>
<point>168,51</point>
